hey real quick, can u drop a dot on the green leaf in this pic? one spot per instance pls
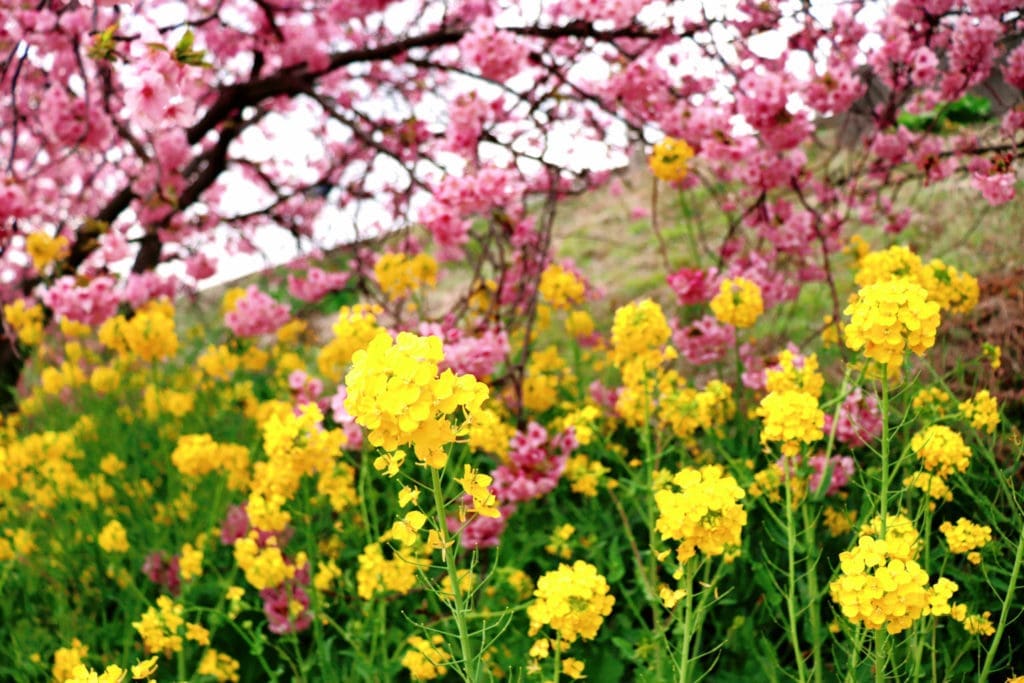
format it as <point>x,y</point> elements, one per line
<point>966,110</point>
<point>103,45</point>
<point>184,53</point>
<point>764,581</point>
<point>916,122</point>
<point>969,109</point>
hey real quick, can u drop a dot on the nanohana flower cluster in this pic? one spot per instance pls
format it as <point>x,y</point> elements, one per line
<point>954,291</point>
<point>738,303</point>
<point>941,450</point>
<point>792,418</point>
<point>396,392</point>
<point>315,522</point>
<point>701,510</point>
<point>670,159</point>
<point>889,318</point>
<point>881,584</point>
<point>573,600</point>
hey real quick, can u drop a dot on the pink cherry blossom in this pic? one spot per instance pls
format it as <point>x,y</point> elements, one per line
<point>256,313</point>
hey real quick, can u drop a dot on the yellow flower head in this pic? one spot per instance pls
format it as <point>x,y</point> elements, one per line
<point>65,659</point>
<point>890,317</point>
<point>396,392</point>
<point>880,590</point>
<point>113,538</point>
<point>738,302</point>
<point>475,486</point>
<point>573,600</point>
<point>44,249</point>
<point>561,288</point>
<point>27,322</point>
<point>954,291</point>
<point>399,275</point>
<point>669,160</point>
<point>639,331</point>
<point>941,450</point>
<point>965,537</point>
<point>144,669</point>
<point>220,666</point>
<point>795,372</point>
<point>701,509</point>
<point>355,327</point>
<point>993,353</point>
<point>426,659</point>
<point>579,324</point>
<point>377,574</point>
<point>982,410</point>
<point>149,335</point>
<point>83,674</point>
<point>887,264</point>
<point>792,418</point>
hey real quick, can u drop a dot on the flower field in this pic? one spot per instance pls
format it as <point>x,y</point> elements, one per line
<point>648,500</point>
<point>490,340</point>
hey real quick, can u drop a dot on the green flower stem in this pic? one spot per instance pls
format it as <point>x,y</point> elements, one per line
<point>830,442</point>
<point>558,657</point>
<point>645,578</point>
<point>813,594</point>
<point>708,583</point>
<point>459,606</point>
<point>577,369</point>
<point>1005,611</point>
<point>881,655</point>
<point>794,631</point>
<point>739,365</point>
<point>884,495</point>
<point>918,636</point>
<point>690,225</point>
<point>689,627</point>
<point>365,472</point>
<point>851,668</point>
<point>693,617</point>
<point>649,570</point>
<point>312,555</point>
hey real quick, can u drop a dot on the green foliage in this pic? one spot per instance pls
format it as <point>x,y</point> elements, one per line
<point>967,110</point>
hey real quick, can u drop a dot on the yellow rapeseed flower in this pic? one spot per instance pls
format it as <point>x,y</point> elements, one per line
<point>561,288</point>
<point>573,600</point>
<point>792,418</point>
<point>44,250</point>
<point>399,274</point>
<point>220,666</point>
<point>670,159</point>
<point>638,330</point>
<point>738,302</point>
<point>83,674</point>
<point>144,669</point>
<point>701,509</point>
<point>26,321</point>
<point>982,410</point>
<point>890,317</point>
<point>113,538</point>
<point>878,590</point>
<point>426,659</point>
<point>396,391</point>
<point>65,659</point>
<point>965,537</point>
<point>883,265</point>
<point>475,485</point>
<point>941,450</point>
<point>793,373</point>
